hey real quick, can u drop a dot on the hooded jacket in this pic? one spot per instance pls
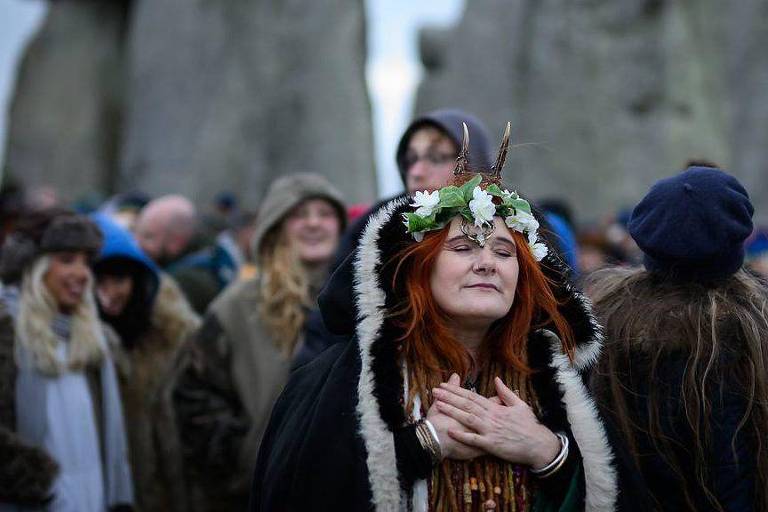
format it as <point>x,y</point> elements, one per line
<point>330,444</point>
<point>449,122</point>
<point>234,371</point>
<point>144,371</point>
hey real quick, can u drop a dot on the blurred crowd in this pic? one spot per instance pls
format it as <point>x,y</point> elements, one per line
<point>183,324</point>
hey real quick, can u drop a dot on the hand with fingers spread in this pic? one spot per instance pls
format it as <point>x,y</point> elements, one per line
<point>451,447</point>
<point>504,426</point>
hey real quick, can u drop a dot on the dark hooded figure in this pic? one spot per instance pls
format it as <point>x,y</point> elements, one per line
<point>683,379</point>
<point>153,320</point>
<point>462,388</point>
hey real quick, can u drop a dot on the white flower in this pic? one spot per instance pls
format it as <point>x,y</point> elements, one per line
<point>523,222</point>
<point>482,207</point>
<point>532,237</point>
<point>539,250</point>
<point>425,202</point>
<point>506,195</point>
<point>418,236</point>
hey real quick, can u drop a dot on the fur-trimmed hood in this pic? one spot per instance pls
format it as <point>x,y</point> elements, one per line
<point>380,386</point>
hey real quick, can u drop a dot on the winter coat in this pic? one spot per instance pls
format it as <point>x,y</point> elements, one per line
<point>234,371</point>
<point>26,472</point>
<point>207,272</point>
<point>145,372</point>
<point>35,477</point>
<point>330,444</point>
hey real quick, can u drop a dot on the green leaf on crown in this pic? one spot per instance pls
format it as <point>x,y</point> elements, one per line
<point>520,205</point>
<point>451,197</point>
<point>416,223</point>
<point>469,187</point>
<point>494,190</point>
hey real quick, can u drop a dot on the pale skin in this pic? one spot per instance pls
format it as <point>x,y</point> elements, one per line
<point>113,293</point>
<point>476,286</point>
<point>434,157</point>
<point>313,229</point>
<point>67,278</point>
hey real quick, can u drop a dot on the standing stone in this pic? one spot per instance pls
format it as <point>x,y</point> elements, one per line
<point>230,95</point>
<point>606,96</point>
<point>64,118</point>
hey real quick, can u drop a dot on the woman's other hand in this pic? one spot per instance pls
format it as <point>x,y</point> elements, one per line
<point>450,447</point>
<point>505,426</point>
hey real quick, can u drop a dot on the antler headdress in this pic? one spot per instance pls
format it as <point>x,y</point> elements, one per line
<point>494,173</point>
<point>475,204</point>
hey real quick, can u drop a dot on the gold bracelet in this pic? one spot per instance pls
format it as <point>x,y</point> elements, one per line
<point>428,442</point>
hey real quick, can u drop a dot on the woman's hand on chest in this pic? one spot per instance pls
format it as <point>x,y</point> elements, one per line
<point>503,426</point>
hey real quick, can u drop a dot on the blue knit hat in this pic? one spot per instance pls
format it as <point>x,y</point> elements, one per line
<point>693,225</point>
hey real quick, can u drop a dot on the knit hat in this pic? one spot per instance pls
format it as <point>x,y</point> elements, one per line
<point>45,232</point>
<point>286,193</point>
<point>693,225</point>
<point>449,121</point>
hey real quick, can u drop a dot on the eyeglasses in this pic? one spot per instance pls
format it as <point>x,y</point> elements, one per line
<point>431,158</point>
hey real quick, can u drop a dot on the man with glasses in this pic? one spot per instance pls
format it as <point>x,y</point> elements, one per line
<point>426,154</point>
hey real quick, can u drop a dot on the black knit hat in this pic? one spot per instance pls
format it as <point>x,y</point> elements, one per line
<point>43,232</point>
<point>693,225</point>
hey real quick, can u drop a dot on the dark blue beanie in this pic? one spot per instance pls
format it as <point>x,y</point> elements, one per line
<point>693,225</point>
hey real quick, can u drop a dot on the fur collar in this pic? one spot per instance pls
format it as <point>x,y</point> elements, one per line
<point>381,384</point>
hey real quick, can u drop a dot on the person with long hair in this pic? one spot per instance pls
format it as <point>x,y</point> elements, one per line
<point>683,379</point>
<point>65,395</point>
<point>240,358</point>
<point>463,388</point>
<point>152,320</point>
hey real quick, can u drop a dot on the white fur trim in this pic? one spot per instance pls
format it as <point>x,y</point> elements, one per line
<point>379,442</point>
<point>597,456</point>
<point>587,354</point>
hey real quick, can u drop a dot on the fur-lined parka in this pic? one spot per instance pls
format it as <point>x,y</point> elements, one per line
<point>26,472</point>
<point>330,442</point>
<point>145,374</point>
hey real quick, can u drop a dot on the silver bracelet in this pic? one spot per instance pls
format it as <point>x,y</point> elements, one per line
<point>559,460</point>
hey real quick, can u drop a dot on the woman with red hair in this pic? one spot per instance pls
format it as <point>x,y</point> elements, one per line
<point>464,388</point>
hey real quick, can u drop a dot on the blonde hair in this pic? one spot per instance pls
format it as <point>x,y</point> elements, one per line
<point>34,325</point>
<point>284,290</point>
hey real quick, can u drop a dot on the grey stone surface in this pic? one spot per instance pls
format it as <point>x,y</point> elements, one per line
<point>606,96</point>
<point>194,96</point>
<point>233,94</point>
<point>64,119</point>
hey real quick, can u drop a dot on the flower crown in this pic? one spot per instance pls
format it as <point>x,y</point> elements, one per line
<point>476,206</point>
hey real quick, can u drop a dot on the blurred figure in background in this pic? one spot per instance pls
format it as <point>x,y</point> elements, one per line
<point>240,358</point>
<point>153,320</point>
<point>205,273</point>
<point>27,472</point>
<point>757,252</point>
<point>683,376</point>
<point>65,394</point>
<point>166,229</point>
<point>124,208</point>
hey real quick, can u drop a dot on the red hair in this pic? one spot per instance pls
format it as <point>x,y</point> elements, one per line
<point>427,338</point>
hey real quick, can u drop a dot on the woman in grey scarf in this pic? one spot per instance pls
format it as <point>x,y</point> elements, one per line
<point>64,396</point>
